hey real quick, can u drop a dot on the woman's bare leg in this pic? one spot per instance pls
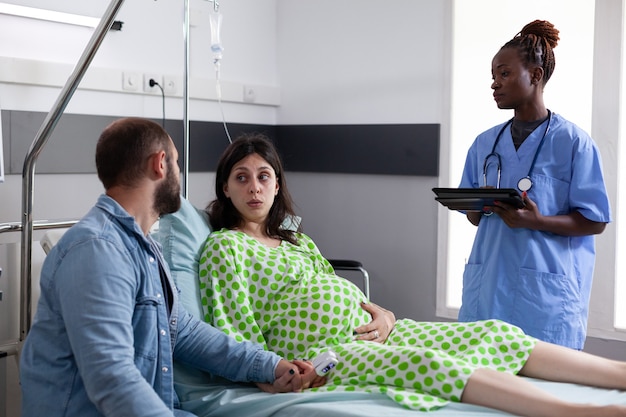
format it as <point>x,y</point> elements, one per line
<point>515,395</point>
<point>557,363</point>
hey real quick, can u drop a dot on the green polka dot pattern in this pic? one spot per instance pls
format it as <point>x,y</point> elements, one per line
<point>289,300</point>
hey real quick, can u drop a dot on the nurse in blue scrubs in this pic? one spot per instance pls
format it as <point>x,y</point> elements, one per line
<point>533,267</point>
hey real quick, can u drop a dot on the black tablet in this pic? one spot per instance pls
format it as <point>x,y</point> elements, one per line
<point>477,198</point>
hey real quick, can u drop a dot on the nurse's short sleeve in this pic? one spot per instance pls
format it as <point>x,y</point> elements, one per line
<point>588,193</point>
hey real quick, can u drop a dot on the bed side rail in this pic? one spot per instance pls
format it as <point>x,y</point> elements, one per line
<point>11,348</point>
<point>37,225</point>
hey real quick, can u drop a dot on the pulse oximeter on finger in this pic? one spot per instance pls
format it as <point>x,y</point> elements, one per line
<point>325,362</point>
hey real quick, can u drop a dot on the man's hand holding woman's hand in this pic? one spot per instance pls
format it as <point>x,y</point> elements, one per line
<point>293,377</point>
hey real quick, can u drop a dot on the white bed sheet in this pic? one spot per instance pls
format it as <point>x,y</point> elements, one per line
<point>220,398</point>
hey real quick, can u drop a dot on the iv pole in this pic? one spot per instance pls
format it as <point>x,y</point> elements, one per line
<point>186,36</point>
<point>185,185</point>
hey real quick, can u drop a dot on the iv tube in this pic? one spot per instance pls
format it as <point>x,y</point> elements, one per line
<point>218,87</point>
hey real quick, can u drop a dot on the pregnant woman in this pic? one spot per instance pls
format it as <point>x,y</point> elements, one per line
<point>262,282</point>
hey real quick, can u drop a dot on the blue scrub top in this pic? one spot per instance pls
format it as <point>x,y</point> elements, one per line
<point>536,280</point>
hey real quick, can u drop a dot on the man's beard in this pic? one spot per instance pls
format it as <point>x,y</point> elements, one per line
<point>167,195</point>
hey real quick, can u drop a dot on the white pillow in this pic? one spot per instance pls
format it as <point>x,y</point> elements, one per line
<point>182,236</point>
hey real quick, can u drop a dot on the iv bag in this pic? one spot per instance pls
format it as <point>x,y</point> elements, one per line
<point>215,20</point>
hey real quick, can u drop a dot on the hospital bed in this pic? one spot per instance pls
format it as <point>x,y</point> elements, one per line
<point>182,235</point>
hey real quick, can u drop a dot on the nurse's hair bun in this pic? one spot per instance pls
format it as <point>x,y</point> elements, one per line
<point>542,29</point>
<point>534,44</point>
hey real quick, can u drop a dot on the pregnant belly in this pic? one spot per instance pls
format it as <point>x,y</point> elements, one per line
<point>326,313</point>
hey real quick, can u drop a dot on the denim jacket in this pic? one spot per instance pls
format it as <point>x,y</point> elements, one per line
<point>102,341</point>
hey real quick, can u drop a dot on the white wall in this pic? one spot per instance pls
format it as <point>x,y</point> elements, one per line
<point>361,62</point>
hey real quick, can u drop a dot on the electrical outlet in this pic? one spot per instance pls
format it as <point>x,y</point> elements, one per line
<point>249,94</point>
<point>131,81</point>
<point>170,85</point>
<point>146,83</point>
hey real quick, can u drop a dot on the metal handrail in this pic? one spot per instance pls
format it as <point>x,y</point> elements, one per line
<point>37,225</point>
<point>41,138</point>
<point>9,349</point>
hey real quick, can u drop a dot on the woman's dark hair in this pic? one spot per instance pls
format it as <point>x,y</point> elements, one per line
<point>123,148</point>
<point>535,44</point>
<point>223,214</point>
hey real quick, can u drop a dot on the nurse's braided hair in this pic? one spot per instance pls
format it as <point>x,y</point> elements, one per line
<point>535,44</point>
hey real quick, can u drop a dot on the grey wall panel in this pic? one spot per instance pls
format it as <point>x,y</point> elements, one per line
<point>207,141</point>
<point>404,149</point>
<point>70,148</point>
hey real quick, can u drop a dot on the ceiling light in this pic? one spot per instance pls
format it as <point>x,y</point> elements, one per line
<point>53,16</point>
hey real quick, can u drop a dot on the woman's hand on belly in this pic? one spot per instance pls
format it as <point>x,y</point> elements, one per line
<point>383,322</point>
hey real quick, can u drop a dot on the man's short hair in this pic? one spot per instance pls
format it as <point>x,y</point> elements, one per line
<point>124,148</point>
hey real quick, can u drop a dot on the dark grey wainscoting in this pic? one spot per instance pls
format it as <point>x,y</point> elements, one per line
<point>383,149</point>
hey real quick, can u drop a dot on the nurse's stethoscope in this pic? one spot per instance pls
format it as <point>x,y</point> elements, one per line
<point>525,183</point>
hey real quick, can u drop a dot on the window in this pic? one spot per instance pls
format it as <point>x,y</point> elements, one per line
<point>620,272</point>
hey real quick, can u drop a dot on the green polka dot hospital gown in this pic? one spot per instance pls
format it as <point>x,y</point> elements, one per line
<point>289,300</point>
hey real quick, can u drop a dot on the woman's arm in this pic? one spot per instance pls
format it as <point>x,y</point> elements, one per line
<point>222,285</point>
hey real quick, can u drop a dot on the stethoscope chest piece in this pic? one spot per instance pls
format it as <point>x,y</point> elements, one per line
<point>524,184</point>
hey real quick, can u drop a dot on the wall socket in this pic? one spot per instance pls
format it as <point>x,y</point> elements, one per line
<point>170,85</point>
<point>131,81</point>
<point>249,94</point>
<point>146,83</point>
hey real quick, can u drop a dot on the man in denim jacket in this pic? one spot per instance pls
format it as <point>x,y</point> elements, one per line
<point>108,324</point>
